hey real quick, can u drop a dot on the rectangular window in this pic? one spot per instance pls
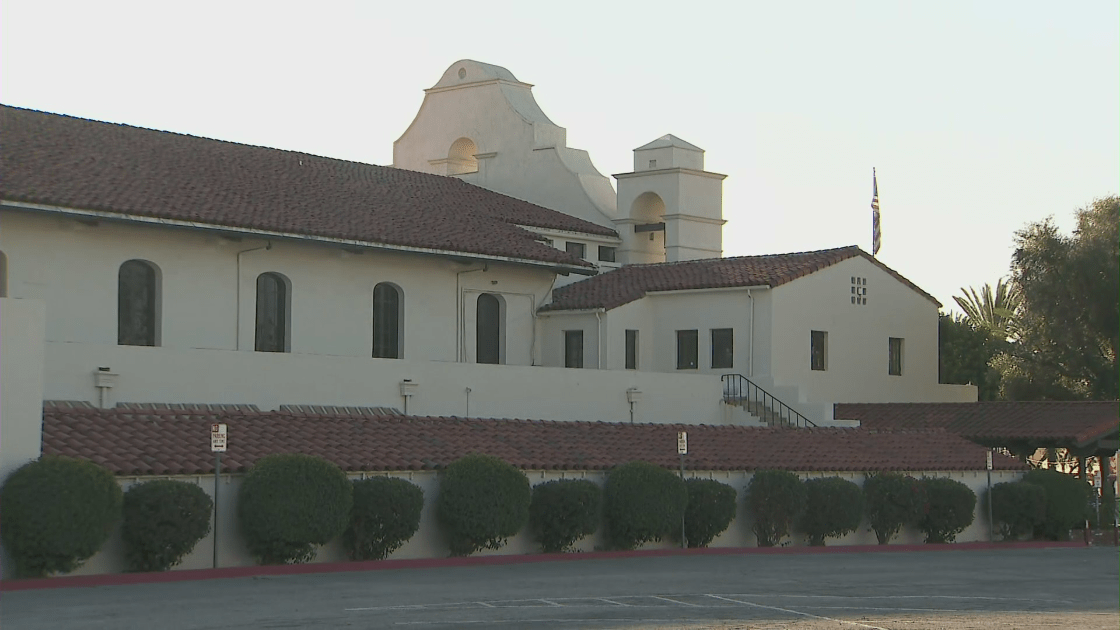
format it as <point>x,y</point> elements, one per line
<point>818,352</point>
<point>723,348</point>
<point>631,349</point>
<point>894,362</point>
<point>573,348</point>
<point>687,352</point>
<point>606,254</point>
<point>579,250</point>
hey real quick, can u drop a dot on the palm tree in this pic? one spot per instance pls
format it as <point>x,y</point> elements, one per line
<point>994,311</point>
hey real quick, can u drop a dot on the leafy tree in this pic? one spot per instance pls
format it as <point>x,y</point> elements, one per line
<point>995,311</point>
<point>483,502</point>
<point>892,500</point>
<point>58,511</point>
<point>163,521</point>
<point>965,354</point>
<point>776,499</point>
<point>711,508</point>
<point>563,511</point>
<point>291,503</point>
<point>385,515</point>
<point>1069,322</point>
<point>642,502</point>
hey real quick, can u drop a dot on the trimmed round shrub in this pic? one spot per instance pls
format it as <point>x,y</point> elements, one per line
<point>563,511</point>
<point>950,508</point>
<point>57,512</point>
<point>385,515</point>
<point>776,499</point>
<point>642,502</point>
<point>483,501</point>
<point>1017,508</point>
<point>291,503</point>
<point>163,521</point>
<point>833,508</point>
<point>1068,502</point>
<point>892,501</point>
<point>710,510</point>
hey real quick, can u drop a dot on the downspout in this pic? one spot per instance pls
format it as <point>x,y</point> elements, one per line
<point>237,291</point>
<point>460,314</point>
<point>599,340</point>
<point>750,353</point>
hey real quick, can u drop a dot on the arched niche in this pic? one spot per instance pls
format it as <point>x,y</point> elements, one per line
<point>461,157</point>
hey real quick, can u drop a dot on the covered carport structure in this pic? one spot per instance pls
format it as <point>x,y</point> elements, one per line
<point>1086,430</point>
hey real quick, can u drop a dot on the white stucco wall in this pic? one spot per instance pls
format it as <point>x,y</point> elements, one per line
<point>429,541</point>
<point>73,268</point>
<point>21,382</point>
<point>269,380</point>
<point>858,338</point>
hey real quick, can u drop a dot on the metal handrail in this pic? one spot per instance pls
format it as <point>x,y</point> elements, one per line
<point>759,402</point>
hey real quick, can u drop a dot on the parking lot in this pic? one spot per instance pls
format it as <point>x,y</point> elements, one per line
<point>1013,588</point>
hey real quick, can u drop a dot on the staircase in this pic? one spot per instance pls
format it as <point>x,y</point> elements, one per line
<point>740,391</point>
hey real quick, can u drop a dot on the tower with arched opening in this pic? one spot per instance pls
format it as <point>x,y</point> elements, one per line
<point>671,208</point>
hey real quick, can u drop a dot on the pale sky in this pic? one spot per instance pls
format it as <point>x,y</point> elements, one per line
<point>980,116</point>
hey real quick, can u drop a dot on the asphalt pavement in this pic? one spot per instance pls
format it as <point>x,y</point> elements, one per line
<point>868,590</point>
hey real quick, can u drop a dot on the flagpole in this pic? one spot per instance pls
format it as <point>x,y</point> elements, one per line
<point>876,228</point>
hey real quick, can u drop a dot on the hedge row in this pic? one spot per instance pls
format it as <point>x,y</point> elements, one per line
<point>58,512</point>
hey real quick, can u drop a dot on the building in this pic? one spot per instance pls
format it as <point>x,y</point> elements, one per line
<point>491,272</point>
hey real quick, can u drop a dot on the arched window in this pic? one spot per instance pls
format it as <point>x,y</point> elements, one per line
<point>272,312</point>
<point>387,318</point>
<point>488,329</point>
<point>3,275</point>
<point>137,304</point>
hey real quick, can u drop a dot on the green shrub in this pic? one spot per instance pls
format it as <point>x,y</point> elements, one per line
<point>642,502</point>
<point>483,501</point>
<point>1017,508</point>
<point>892,501</point>
<point>776,499</point>
<point>163,521</point>
<point>288,504</point>
<point>57,512</point>
<point>385,515</point>
<point>833,507</point>
<point>1068,502</point>
<point>563,511</point>
<point>710,510</point>
<point>950,508</point>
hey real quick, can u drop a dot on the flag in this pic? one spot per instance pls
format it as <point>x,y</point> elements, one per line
<point>876,233</point>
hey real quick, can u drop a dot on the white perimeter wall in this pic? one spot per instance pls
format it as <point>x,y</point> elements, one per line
<point>858,338</point>
<point>429,541</point>
<point>269,380</point>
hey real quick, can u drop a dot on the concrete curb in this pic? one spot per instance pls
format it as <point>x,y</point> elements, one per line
<point>118,579</point>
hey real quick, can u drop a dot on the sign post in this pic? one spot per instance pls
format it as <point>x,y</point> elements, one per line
<point>991,524</point>
<point>682,450</point>
<point>218,440</point>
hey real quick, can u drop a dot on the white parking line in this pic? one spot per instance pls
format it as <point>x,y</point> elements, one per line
<point>611,601</point>
<point>796,612</point>
<point>673,601</point>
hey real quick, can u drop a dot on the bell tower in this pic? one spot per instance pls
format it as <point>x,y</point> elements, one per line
<point>670,209</point>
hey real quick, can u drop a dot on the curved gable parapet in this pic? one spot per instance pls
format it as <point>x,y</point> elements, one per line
<point>519,151</point>
<point>467,71</point>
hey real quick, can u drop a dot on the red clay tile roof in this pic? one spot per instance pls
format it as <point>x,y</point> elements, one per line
<point>170,442</point>
<point>632,282</point>
<point>1075,423</point>
<point>94,166</point>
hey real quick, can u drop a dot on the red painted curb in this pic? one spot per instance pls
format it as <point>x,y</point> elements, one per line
<point>117,579</point>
